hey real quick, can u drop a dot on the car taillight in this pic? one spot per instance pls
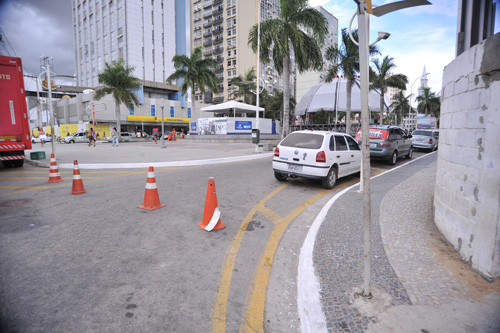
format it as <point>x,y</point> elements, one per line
<point>277,152</point>
<point>321,157</point>
<point>430,141</point>
<point>384,144</point>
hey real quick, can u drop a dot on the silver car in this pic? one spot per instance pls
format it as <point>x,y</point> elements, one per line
<point>77,137</point>
<point>425,139</point>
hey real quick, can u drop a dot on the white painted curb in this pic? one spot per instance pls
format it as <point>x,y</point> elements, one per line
<point>312,318</point>
<point>167,164</point>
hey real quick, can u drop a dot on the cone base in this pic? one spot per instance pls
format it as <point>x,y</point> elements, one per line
<point>80,192</point>
<point>218,226</point>
<point>55,181</point>
<point>151,208</point>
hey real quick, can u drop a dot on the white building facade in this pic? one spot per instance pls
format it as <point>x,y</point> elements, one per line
<point>141,32</point>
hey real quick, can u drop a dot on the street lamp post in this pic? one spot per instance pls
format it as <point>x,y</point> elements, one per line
<point>258,76</point>
<point>364,8</point>
<point>162,129</point>
<point>409,102</point>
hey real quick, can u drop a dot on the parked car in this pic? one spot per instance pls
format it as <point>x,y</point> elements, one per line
<point>425,139</point>
<point>317,155</point>
<point>77,137</point>
<point>37,139</point>
<point>388,143</point>
<point>126,136</point>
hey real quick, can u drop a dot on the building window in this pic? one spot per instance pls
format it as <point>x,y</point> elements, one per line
<point>131,109</point>
<point>229,32</point>
<point>228,63</point>
<point>234,72</point>
<point>228,73</point>
<point>229,53</point>
<point>234,62</point>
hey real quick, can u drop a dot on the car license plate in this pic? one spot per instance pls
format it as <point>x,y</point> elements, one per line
<point>293,167</point>
<point>373,145</point>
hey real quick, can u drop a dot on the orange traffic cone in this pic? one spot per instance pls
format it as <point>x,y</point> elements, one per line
<point>211,213</point>
<point>77,180</point>
<point>151,198</point>
<point>54,176</point>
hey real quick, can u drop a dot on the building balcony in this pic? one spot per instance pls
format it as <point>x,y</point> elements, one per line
<point>219,69</point>
<point>218,99</point>
<point>218,40</point>
<point>220,87</point>
<point>207,24</point>
<point>208,3</point>
<point>218,30</point>
<point>207,13</point>
<point>208,33</point>
<point>217,20</point>
<point>216,2</point>
<point>219,58</point>
<point>218,50</point>
<point>207,42</point>
<point>207,52</point>
<point>217,11</point>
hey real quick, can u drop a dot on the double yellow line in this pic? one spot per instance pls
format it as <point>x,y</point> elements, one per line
<point>253,314</point>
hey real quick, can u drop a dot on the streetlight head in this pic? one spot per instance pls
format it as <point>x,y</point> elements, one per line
<point>383,35</point>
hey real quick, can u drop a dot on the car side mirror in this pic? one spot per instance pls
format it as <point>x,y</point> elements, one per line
<point>409,136</point>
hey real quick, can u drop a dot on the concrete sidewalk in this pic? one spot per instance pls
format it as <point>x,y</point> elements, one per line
<point>143,154</point>
<point>419,284</point>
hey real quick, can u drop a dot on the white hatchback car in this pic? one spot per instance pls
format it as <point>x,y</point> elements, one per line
<point>317,155</point>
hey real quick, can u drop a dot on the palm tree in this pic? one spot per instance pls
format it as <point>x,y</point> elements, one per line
<point>119,82</point>
<point>346,60</point>
<point>429,103</point>
<point>246,86</point>
<point>298,28</point>
<point>274,104</point>
<point>382,79</point>
<point>399,106</point>
<point>195,72</point>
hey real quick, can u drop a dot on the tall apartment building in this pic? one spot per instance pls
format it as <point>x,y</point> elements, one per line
<point>221,28</point>
<point>305,81</point>
<point>146,34</point>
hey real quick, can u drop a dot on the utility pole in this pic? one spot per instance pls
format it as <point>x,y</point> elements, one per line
<point>49,85</point>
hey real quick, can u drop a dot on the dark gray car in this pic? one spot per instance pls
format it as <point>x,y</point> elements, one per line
<point>388,143</point>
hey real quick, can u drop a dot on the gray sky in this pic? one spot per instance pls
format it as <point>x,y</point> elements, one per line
<point>35,28</point>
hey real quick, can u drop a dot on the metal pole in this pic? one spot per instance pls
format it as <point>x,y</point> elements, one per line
<point>364,28</point>
<point>49,84</point>
<point>38,108</point>
<point>258,74</point>
<point>162,130</point>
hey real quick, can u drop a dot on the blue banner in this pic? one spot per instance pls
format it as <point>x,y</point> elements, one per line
<point>153,111</point>
<point>193,127</point>
<point>243,125</point>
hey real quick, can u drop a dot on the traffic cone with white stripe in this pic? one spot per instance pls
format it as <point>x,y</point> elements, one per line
<point>54,176</point>
<point>151,198</point>
<point>77,180</point>
<point>211,213</point>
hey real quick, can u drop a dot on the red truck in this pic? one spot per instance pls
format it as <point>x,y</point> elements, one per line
<point>14,121</point>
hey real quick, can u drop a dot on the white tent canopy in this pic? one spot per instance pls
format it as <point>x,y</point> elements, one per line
<point>332,96</point>
<point>231,107</point>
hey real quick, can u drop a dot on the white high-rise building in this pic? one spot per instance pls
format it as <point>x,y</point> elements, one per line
<point>141,32</point>
<point>307,80</point>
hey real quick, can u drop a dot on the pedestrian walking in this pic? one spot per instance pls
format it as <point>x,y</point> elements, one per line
<point>155,134</point>
<point>183,133</point>
<point>174,135</point>
<point>114,134</point>
<point>91,136</point>
<point>42,137</point>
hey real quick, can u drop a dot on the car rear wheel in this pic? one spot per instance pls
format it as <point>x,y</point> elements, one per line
<point>279,176</point>
<point>394,158</point>
<point>71,141</point>
<point>410,154</point>
<point>329,181</point>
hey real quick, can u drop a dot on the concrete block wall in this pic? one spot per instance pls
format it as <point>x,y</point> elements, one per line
<point>467,194</point>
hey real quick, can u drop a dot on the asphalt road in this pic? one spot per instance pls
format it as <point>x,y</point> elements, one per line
<point>95,262</point>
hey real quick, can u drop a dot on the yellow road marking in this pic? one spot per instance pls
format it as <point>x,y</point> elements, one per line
<point>21,178</point>
<point>253,315</point>
<point>218,315</point>
<point>270,214</point>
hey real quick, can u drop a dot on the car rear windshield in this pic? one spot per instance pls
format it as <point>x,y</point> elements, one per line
<point>422,133</point>
<point>375,134</point>
<point>303,140</point>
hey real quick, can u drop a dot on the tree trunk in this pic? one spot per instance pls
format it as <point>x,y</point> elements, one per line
<point>381,112</point>
<point>118,121</point>
<point>286,97</point>
<point>348,107</point>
